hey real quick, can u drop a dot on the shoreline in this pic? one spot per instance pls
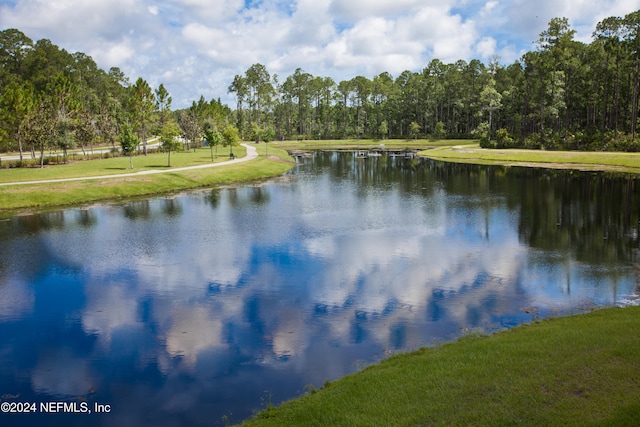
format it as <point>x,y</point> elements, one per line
<point>588,161</point>
<point>252,153</point>
<point>25,197</point>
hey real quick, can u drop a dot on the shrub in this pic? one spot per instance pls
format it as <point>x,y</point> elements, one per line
<point>482,132</point>
<point>533,142</point>
<point>439,132</point>
<point>619,141</point>
<point>504,139</point>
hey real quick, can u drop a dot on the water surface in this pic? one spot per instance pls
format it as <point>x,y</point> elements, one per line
<point>202,308</point>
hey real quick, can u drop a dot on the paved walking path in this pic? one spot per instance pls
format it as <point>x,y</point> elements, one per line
<point>252,153</point>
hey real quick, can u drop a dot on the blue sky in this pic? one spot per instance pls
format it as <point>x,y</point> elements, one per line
<point>195,47</point>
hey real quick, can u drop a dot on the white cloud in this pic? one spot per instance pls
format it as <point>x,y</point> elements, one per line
<point>209,10</point>
<point>490,6</point>
<point>195,47</point>
<point>358,9</point>
<point>373,45</point>
<point>71,20</point>
<point>193,330</point>
<point>486,47</point>
<point>109,308</point>
<point>113,54</point>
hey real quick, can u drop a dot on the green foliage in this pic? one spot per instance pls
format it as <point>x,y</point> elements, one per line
<point>482,133</point>
<point>169,139</point>
<point>504,139</point>
<point>439,131</point>
<point>65,136</point>
<point>128,142</point>
<point>190,127</point>
<point>141,106</point>
<point>163,104</point>
<point>533,142</point>
<point>256,133</point>
<point>268,134</point>
<point>383,129</point>
<point>213,137</point>
<point>230,137</point>
<point>414,129</point>
<point>16,102</point>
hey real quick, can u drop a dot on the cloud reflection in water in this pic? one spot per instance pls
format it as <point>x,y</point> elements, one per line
<point>200,303</point>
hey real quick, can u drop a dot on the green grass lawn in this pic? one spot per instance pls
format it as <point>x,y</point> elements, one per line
<point>622,162</point>
<point>18,198</point>
<point>118,165</point>
<point>571,371</point>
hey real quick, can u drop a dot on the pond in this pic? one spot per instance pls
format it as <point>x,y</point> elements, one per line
<point>203,308</point>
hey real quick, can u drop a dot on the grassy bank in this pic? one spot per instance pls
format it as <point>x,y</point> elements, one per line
<point>601,161</point>
<point>14,199</point>
<point>580,370</point>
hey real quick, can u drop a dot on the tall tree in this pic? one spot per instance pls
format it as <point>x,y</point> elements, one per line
<point>169,139</point>
<point>39,128</point>
<point>213,137</point>
<point>190,126</point>
<point>128,142</point>
<point>15,104</point>
<point>491,101</point>
<point>632,40</point>
<point>163,104</point>
<point>297,85</point>
<point>240,88</point>
<point>142,104</point>
<point>607,35</point>
<point>85,130</point>
<point>345,87</point>
<point>14,48</point>
<point>230,137</point>
<point>260,89</point>
<point>361,91</point>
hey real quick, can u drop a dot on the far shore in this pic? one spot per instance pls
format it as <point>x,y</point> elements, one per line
<point>576,160</point>
<point>111,179</point>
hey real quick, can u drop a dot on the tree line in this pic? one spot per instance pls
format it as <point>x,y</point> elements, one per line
<point>51,99</point>
<point>564,94</point>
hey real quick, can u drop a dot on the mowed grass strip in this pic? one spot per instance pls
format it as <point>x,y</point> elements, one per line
<point>571,371</point>
<point>14,199</point>
<point>605,161</point>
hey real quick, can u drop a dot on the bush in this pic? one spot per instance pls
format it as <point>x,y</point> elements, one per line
<point>482,133</point>
<point>439,132</point>
<point>619,141</point>
<point>533,142</point>
<point>504,139</point>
